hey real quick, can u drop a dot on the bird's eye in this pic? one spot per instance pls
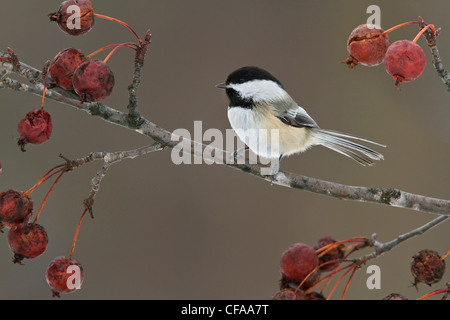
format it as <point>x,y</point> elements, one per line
<point>241,80</point>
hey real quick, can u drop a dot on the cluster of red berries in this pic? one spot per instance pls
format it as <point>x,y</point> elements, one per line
<point>92,80</point>
<point>404,60</point>
<point>303,268</point>
<point>28,240</point>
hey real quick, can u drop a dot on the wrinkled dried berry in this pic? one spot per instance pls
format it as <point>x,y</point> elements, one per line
<point>332,255</point>
<point>75,17</point>
<point>93,80</point>
<point>367,45</point>
<point>427,267</point>
<point>63,67</point>
<point>14,208</point>
<point>395,296</point>
<point>297,262</point>
<point>60,278</point>
<point>289,294</point>
<point>405,61</point>
<point>27,241</point>
<point>35,128</point>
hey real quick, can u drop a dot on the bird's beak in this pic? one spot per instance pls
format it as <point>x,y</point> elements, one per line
<point>222,85</point>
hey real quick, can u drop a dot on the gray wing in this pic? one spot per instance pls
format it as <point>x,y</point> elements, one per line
<point>297,117</point>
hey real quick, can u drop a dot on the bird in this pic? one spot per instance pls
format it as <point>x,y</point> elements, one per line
<point>258,103</point>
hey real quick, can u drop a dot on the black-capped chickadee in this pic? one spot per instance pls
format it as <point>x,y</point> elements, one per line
<point>258,103</point>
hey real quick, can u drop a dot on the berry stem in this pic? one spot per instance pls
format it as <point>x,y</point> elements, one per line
<point>328,276</point>
<point>323,250</point>
<point>325,286</point>
<point>111,53</point>
<point>76,233</point>
<point>351,247</point>
<point>312,272</point>
<point>48,194</point>
<point>423,30</point>
<point>307,276</point>
<point>445,255</point>
<point>45,88</point>
<point>399,26</point>
<point>433,293</point>
<point>129,45</point>
<point>348,283</point>
<point>122,23</point>
<point>351,267</point>
<point>44,178</point>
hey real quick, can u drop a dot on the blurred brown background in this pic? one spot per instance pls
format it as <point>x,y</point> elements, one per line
<point>208,232</point>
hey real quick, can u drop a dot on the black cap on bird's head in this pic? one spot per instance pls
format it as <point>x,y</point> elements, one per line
<point>240,89</point>
<point>246,74</point>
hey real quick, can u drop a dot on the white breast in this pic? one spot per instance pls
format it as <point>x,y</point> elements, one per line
<point>265,134</point>
<point>241,118</point>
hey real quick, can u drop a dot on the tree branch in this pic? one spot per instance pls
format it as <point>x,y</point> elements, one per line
<point>109,158</point>
<point>165,139</point>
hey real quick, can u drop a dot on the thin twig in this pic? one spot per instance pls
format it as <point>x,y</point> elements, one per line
<point>133,109</point>
<point>109,158</point>
<point>431,36</point>
<point>381,248</point>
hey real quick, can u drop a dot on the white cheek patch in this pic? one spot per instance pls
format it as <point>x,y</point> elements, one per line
<point>259,90</point>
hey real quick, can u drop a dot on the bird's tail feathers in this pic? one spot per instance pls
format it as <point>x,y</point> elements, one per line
<point>338,142</point>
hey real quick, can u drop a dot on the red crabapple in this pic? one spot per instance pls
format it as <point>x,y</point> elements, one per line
<point>27,241</point>
<point>62,277</point>
<point>64,65</point>
<point>14,208</point>
<point>405,61</point>
<point>333,254</point>
<point>367,45</point>
<point>93,80</point>
<point>297,262</point>
<point>75,17</point>
<point>427,267</point>
<point>35,128</point>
